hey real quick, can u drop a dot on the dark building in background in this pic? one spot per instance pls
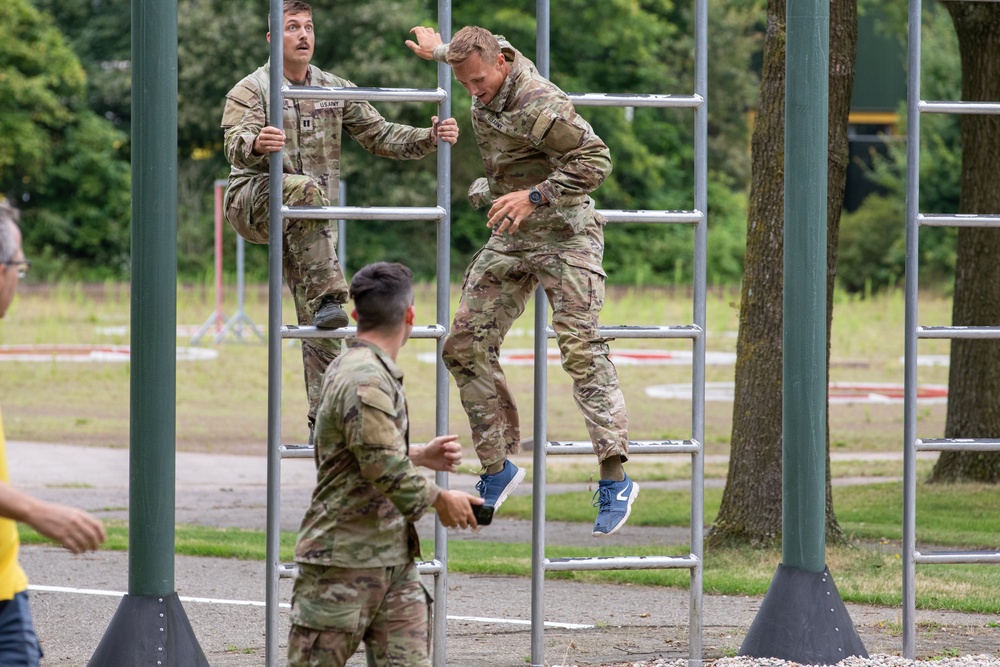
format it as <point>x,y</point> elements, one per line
<point>879,93</point>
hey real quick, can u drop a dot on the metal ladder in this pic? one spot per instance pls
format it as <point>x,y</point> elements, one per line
<point>695,332</point>
<point>913,444</point>
<point>277,332</point>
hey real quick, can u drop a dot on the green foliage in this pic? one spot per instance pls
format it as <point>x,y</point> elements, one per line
<point>66,166</point>
<point>650,50</point>
<point>40,83</point>
<point>873,238</point>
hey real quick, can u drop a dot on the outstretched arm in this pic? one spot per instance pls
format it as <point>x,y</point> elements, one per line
<point>71,527</point>
<point>443,453</point>
<point>427,40</point>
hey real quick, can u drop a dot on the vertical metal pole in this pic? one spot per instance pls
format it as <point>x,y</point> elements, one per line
<point>910,335</point>
<point>804,369</point>
<point>443,306</point>
<point>540,436</point>
<point>342,231</point>
<point>240,285</point>
<point>274,263</point>
<point>152,444</point>
<point>700,319</point>
<point>219,317</point>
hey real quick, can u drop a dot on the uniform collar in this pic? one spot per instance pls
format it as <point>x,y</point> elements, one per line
<point>386,360</point>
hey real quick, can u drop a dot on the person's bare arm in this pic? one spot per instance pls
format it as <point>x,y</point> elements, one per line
<point>443,453</point>
<point>73,528</point>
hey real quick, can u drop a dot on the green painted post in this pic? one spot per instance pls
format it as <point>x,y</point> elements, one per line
<point>152,428</point>
<point>804,371</point>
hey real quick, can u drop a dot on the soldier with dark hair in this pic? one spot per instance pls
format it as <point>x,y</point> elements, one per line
<point>310,133</point>
<point>357,546</point>
<point>542,161</point>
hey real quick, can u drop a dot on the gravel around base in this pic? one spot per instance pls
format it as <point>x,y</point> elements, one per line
<point>873,661</point>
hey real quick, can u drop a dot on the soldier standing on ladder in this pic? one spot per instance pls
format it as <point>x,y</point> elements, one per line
<point>311,141</point>
<point>542,161</point>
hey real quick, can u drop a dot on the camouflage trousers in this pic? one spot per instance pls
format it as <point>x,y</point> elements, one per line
<point>497,287</point>
<point>310,265</point>
<point>335,609</point>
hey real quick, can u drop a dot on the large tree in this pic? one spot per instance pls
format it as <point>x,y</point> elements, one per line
<point>751,503</point>
<point>974,375</point>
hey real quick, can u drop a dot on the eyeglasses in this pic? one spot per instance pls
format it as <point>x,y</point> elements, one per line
<point>22,267</point>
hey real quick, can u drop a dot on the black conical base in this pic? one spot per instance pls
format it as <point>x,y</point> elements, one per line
<point>149,631</point>
<point>802,619</point>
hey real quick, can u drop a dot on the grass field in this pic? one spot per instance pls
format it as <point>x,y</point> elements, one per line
<point>221,403</point>
<point>221,407</point>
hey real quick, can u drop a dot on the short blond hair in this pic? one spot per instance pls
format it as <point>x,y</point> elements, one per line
<point>473,40</point>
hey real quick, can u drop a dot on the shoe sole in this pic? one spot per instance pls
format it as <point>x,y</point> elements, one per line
<point>628,512</point>
<point>332,323</point>
<point>511,485</point>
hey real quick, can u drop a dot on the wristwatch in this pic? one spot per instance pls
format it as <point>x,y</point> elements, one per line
<point>535,197</point>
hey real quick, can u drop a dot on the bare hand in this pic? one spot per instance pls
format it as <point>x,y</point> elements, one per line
<point>509,211</point>
<point>71,527</point>
<point>427,39</point>
<point>443,453</point>
<point>446,130</point>
<point>454,509</point>
<point>269,140</point>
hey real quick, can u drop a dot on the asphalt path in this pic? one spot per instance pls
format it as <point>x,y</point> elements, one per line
<point>75,597</point>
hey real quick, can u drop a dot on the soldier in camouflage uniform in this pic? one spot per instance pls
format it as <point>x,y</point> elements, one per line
<point>357,576</point>
<point>311,164</point>
<point>542,161</point>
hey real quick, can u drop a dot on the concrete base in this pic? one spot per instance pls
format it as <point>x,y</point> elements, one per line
<point>149,631</point>
<point>803,619</point>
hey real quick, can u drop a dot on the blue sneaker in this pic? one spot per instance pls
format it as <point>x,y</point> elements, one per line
<point>614,502</point>
<point>494,489</point>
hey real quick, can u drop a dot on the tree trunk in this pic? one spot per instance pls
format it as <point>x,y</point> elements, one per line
<point>751,503</point>
<point>974,374</point>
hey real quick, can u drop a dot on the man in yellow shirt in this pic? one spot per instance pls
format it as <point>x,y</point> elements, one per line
<point>73,528</point>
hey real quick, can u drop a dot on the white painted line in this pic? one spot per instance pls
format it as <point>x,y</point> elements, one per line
<point>285,605</point>
<point>512,621</point>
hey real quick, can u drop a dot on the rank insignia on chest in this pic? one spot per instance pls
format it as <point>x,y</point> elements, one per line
<point>307,123</point>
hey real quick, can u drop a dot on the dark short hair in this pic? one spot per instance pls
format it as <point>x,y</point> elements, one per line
<point>381,293</point>
<point>8,236</point>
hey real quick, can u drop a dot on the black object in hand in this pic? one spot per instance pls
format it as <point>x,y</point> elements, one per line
<point>484,514</point>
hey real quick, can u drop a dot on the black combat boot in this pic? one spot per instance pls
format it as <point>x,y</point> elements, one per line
<point>330,315</point>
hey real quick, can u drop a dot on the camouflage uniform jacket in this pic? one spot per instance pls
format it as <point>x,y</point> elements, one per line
<point>312,131</point>
<point>368,494</point>
<point>530,135</point>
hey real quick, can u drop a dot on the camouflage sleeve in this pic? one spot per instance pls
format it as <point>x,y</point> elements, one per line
<point>380,137</point>
<point>375,439</point>
<point>242,120</point>
<point>582,159</point>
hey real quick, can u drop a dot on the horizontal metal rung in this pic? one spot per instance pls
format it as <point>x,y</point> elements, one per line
<point>622,563</point>
<point>957,557</point>
<point>640,331</point>
<point>636,100</point>
<point>292,331</point>
<point>290,570</point>
<point>958,445</point>
<point>363,212</point>
<point>669,217</point>
<point>957,220</point>
<point>296,451</point>
<point>959,107</point>
<point>634,447</point>
<point>958,332</point>
<point>353,94</point>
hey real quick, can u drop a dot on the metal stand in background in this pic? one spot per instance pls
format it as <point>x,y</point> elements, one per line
<point>239,318</point>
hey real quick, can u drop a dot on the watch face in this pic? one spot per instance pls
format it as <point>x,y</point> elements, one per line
<point>535,197</point>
